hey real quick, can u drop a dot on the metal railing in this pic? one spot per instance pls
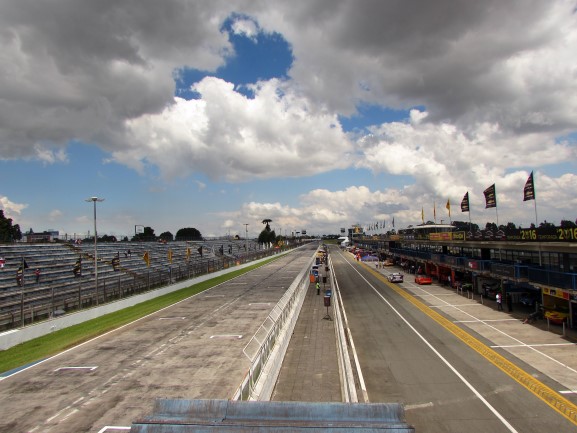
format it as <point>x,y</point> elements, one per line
<point>268,345</point>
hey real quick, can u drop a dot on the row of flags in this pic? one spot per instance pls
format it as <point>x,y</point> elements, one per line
<point>491,195</point>
<point>490,202</point>
<point>378,225</point>
<point>146,255</point>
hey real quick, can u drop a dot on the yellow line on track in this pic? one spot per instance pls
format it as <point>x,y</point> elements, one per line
<point>555,400</point>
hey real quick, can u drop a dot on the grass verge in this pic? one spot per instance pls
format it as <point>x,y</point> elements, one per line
<point>51,344</point>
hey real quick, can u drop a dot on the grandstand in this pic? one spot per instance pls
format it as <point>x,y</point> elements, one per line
<point>122,271</point>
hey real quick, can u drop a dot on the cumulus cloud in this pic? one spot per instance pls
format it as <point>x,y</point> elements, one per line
<point>11,209</point>
<point>467,62</point>
<point>246,27</point>
<point>226,135</point>
<point>494,84</point>
<point>77,70</point>
<point>443,159</point>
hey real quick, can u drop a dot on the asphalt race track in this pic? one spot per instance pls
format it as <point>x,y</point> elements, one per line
<point>191,350</point>
<point>456,365</point>
<point>409,355</point>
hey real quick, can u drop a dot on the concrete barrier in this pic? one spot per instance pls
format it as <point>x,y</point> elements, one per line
<point>254,417</point>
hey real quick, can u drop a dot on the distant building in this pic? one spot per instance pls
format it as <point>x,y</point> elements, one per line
<point>45,236</point>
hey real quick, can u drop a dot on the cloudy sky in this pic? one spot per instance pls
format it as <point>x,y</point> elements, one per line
<point>317,114</point>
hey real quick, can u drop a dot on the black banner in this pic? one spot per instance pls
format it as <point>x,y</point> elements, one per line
<point>529,191</point>
<point>490,197</point>
<point>465,203</point>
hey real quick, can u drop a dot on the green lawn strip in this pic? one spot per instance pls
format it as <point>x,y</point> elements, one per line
<point>51,344</point>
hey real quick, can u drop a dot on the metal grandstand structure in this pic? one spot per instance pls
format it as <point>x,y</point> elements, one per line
<point>67,279</point>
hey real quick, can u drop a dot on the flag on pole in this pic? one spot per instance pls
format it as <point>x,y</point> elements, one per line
<point>465,203</point>
<point>490,197</point>
<point>393,222</point>
<point>116,262</point>
<point>146,258</point>
<point>448,206</point>
<point>422,215</point>
<point>529,191</point>
<point>77,269</point>
<point>435,212</point>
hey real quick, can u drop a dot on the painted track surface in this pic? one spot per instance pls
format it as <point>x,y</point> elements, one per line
<point>191,350</point>
<point>455,364</point>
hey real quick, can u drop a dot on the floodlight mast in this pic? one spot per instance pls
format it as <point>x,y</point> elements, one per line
<point>94,200</point>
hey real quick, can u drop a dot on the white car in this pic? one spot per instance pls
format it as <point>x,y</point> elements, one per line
<point>395,277</point>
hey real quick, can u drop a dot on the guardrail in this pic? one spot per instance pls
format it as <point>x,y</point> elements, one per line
<point>348,389</point>
<point>268,345</point>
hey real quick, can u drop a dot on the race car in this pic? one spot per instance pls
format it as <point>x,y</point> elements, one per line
<point>395,277</point>
<point>423,279</point>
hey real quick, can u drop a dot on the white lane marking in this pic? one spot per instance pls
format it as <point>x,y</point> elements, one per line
<point>441,357</point>
<point>113,427</point>
<point>435,295</point>
<point>453,305</point>
<point>72,412</point>
<point>418,406</point>
<point>535,345</point>
<point>486,320</point>
<point>226,336</point>
<point>568,391</point>
<point>521,343</point>
<point>90,368</point>
<point>171,318</point>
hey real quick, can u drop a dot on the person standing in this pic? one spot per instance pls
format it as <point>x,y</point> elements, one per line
<point>37,274</point>
<point>509,299</point>
<point>499,301</point>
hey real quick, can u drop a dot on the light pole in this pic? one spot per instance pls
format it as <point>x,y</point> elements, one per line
<point>246,236</point>
<point>94,200</point>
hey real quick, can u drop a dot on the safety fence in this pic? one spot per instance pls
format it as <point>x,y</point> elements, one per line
<point>268,345</point>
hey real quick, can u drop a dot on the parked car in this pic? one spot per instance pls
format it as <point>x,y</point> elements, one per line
<point>395,277</point>
<point>388,262</point>
<point>423,279</point>
<point>490,290</point>
<point>529,299</point>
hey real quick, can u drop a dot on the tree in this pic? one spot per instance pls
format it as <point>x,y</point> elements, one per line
<point>166,236</point>
<point>566,224</point>
<point>188,234</point>
<point>546,224</point>
<point>267,221</point>
<point>491,226</point>
<point>463,226</point>
<point>8,232</point>
<point>146,235</point>
<point>267,236</point>
<point>510,227</point>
